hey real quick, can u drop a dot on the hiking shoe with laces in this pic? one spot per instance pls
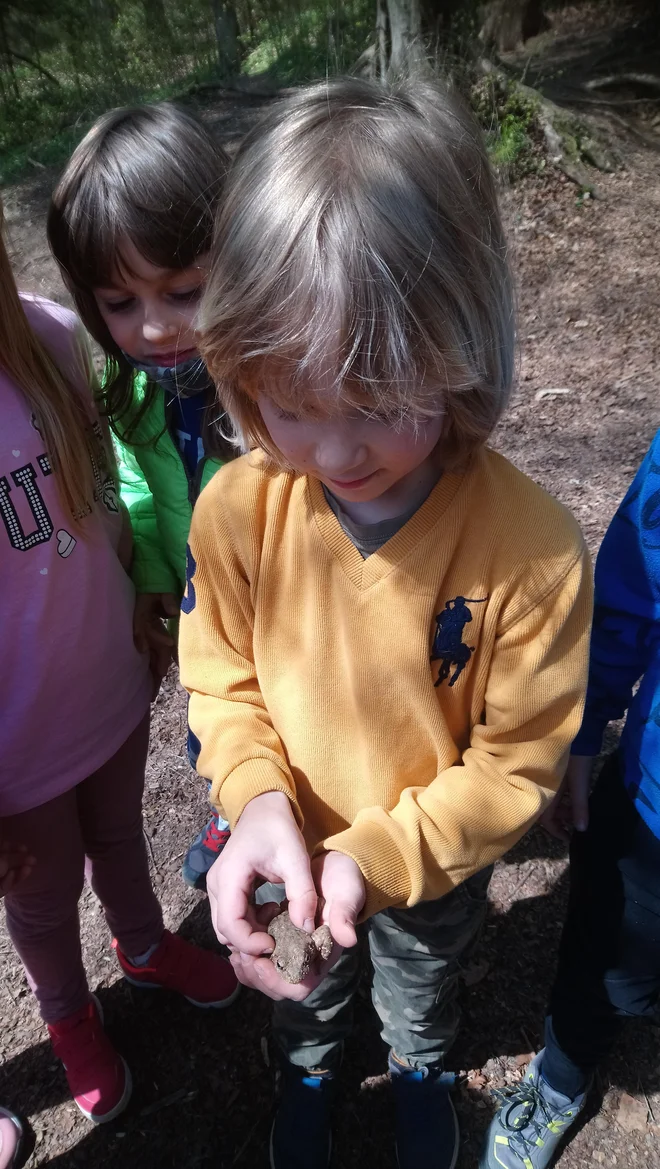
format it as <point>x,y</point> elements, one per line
<point>99,1080</point>
<point>203,978</point>
<point>427,1134</point>
<point>301,1136</point>
<point>530,1124</point>
<point>204,850</point>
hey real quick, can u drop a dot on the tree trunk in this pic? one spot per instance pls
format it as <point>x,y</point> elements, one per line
<point>509,23</point>
<point>5,51</point>
<point>406,42</point>
<point>227,33</point>
<point>381,40</point>
<point>155,21</point>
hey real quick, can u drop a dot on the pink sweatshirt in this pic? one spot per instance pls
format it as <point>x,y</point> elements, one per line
<point>72,685</point>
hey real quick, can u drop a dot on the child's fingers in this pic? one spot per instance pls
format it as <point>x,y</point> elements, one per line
<point>157,636</point>
<point>300,890</point>
<point>170,604</point>
<point>553,820</point>
<point>341,921</point>
<point>229,892</point>
<point>159,661</point>
<point>141,643</point>
<point>579,783</point>
<point>580,806</point>
<point>262,975</point>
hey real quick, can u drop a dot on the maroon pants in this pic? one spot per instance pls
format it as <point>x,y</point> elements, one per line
<point>95,830</point>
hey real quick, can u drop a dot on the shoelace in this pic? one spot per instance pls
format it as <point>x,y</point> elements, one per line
<point>215,835</point>
<point>530,1101</point>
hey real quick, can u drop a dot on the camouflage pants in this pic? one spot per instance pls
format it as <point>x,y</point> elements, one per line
<point>416,955</point>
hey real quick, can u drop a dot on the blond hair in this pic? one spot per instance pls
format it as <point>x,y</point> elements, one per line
<point>359,244</point>
<point>60,412</point>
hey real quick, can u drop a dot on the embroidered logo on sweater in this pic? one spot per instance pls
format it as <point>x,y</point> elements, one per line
<point>189,598</point>
<point>448,646</point>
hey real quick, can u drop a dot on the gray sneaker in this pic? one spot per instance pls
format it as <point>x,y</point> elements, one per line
<point>530,1124</point>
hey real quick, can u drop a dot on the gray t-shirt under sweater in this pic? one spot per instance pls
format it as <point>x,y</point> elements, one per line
<point>368,538</point>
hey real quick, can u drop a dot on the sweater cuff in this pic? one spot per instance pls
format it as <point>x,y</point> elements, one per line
<point>386,875</point>
<point>252,778</point>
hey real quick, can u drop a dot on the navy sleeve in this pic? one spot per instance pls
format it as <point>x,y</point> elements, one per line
<point>627,604</point>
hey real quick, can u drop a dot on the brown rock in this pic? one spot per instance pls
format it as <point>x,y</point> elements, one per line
<point>297,952</point>
<point>631,1113</point>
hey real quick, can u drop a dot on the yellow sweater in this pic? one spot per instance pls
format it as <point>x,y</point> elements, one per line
<point>310,669</point>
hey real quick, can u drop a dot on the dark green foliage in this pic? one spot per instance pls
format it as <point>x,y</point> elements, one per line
<point>63,62</point>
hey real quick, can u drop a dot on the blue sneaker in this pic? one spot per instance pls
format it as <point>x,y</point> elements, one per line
<point>530,1124</point>
<point>301,1136</point>
<point>427,1134</point>
<point>204,850</point>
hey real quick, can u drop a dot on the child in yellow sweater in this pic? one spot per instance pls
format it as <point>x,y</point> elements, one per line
<point>385,628</point>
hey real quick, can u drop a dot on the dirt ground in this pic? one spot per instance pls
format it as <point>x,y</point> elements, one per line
<point>584,412</point>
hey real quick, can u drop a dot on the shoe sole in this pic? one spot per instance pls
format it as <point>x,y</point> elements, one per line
<point>271,1152</point>
<point>457,1138</point>
<point>217,1006</point>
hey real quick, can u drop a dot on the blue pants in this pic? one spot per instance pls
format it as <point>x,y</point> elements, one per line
<point>609,958</point>
<point>193,748</point>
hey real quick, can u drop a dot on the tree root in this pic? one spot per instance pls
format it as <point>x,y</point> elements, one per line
<point>574,144</point>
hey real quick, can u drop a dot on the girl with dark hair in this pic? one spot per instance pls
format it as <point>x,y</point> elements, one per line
<point>130,225</point>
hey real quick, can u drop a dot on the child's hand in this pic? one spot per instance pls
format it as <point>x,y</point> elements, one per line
<point>15,865</point>
<point>266,844</point>
<point>570,807</point>
<point>150,634</point>
<point>340,886</point>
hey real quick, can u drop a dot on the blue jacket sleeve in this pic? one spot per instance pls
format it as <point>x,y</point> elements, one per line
<point>627,604</point>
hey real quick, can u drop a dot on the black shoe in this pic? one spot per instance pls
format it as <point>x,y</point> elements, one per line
<point>301,1136</point>
<point>426,1125</point>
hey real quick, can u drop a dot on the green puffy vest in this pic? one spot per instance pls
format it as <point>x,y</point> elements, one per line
<point>159,494</point>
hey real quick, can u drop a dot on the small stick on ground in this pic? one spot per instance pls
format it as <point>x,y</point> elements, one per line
<point>151,849</point>
<point>246,1142</point>
<point>648,1102</point>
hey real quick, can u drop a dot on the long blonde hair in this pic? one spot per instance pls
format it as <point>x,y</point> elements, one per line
<point>359,243</point>
<point>60,411</point>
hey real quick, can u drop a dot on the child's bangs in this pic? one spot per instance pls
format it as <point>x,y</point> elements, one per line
<point>332,352</point>
<point>100,226</point>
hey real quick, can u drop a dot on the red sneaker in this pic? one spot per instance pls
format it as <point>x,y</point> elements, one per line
<point>205,979</point>
<point>99,1080</point>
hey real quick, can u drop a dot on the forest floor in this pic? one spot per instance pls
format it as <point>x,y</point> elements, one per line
<point>583,415</point>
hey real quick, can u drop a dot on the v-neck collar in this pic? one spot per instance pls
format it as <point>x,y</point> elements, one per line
<point>364,573</point>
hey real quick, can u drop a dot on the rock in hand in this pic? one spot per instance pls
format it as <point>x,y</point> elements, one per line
<point>297,952</point>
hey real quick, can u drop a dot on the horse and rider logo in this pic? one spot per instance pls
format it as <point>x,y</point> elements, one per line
<point>448,645</point>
